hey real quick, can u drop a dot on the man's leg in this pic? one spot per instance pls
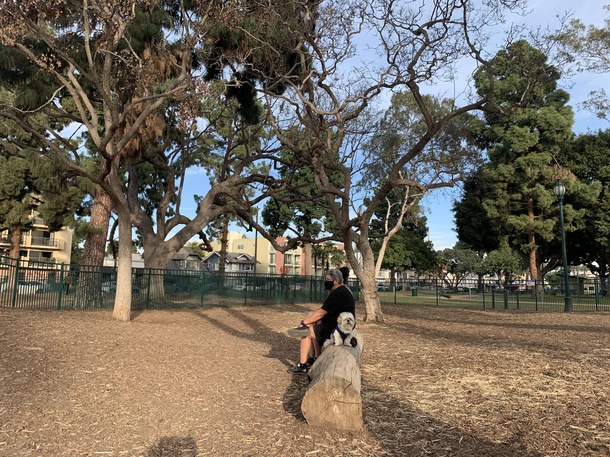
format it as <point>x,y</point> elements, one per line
<point>306,346</point>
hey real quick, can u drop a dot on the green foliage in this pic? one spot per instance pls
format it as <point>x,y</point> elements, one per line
<point>327,255</point>
<point>300,207</point>
<point>408,249</point>
<point>451,152</point>
<point>196,249</point>
<point>472,223</point>
<point>459,262</point>
<point>269,33</point>
<point>587,48</point>
<point>522,148</point>
<point>588,156</point>
<point>504,262</point>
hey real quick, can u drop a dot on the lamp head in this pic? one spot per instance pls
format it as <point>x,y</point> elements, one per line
<point>559,190</point>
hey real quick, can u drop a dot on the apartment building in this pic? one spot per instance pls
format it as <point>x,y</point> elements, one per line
<point>267,259</point>
<point>39,244</point>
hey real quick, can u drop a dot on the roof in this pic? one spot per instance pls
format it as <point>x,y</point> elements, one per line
<point>185,252</point>
<point>234,257</point>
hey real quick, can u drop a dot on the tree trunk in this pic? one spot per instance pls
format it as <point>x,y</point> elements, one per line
<point>531,239</point>
<point>368,282</point>
<point>307,257</point>
<point>156,259</point>
<point>14,257</point>
<point>15,242</point>
<point>89,281</point>
<point>333,398</point>
<point>122,301</point>
<point>95,244</point>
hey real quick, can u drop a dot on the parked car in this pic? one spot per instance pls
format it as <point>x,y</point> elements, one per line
<point>296,286</point>
<point>42,287</point>
<point>26,287</point>
<point>383,287</point>
<point>244,286</point>
<point>398,286</point>
<point>110,286</point>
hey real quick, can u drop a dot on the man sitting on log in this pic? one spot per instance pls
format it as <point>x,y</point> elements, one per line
<point>317,326</point>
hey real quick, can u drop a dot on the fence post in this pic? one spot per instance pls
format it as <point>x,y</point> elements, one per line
<point>596,294</point>
<point>436,288</point>
<point>493,298</point>
<point>311,290</point>
<point>394,293</point>
<point>16,283</point>
<point>517,300</point>
<point>505,299</point>
<point>148,289</point>
<point>246,294</point>
<point>61,286</point>
<point>202,286</point>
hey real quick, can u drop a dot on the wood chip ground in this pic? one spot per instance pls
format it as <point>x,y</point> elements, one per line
<point>213,382</point>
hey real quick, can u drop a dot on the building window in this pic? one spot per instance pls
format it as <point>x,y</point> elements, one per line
<point>192,265</point>
<point>297,260</point>
<point>272,270</point>
<point>240,247</point>
<point>47,255</point>
<point>288,259</point>
<point>272,258</point>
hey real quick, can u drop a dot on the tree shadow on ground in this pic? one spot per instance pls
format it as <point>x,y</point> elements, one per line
<point>469,313</point>
<point>281,347</point>
<point>406,431</point>
<point>173,446</point>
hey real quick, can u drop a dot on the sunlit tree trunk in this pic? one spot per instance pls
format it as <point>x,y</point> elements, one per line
<point>122,304</point>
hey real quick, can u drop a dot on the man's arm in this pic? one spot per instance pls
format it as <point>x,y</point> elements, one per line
<point>315,317</point>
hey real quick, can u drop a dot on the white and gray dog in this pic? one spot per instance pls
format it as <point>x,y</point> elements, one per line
<point>342,333</point>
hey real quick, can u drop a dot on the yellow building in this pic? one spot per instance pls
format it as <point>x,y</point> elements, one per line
<point>270,261</point>
<point>39,244</point>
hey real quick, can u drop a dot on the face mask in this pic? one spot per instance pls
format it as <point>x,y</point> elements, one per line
<point>329,284</point>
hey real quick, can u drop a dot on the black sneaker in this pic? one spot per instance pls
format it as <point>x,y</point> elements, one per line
<point>310,362</point>
<point>299,369</point>
<point>299,332</point>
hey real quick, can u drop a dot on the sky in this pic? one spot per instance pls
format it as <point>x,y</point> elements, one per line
<point>437,204</point>
<point>544,13</point>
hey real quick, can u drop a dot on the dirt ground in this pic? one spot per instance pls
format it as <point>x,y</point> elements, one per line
<point>213,382</point>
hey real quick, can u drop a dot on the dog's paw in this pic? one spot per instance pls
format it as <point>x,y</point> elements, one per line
<point>353,342</point>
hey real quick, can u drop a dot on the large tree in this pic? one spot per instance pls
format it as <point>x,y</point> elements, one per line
<point>451,152</point>
<point>417,45</point>
<point>114,84</point>
<point>522,147</point>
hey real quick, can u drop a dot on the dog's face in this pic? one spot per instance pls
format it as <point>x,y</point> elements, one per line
<point>346,322</point>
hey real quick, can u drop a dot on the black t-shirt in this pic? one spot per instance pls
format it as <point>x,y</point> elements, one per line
<point>338,301</point>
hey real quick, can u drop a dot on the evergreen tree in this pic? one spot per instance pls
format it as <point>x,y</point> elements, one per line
<point>522,149</point>
<point>588,157</point>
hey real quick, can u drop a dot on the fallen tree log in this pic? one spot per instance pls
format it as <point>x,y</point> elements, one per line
<point>333,398</point>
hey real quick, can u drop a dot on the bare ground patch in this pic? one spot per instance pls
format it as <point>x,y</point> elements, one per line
<point>436,381</point>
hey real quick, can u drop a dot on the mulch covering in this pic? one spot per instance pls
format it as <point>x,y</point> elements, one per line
<point>213,382</point>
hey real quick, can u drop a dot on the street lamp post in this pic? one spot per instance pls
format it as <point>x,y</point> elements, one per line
<point>559,190</point>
